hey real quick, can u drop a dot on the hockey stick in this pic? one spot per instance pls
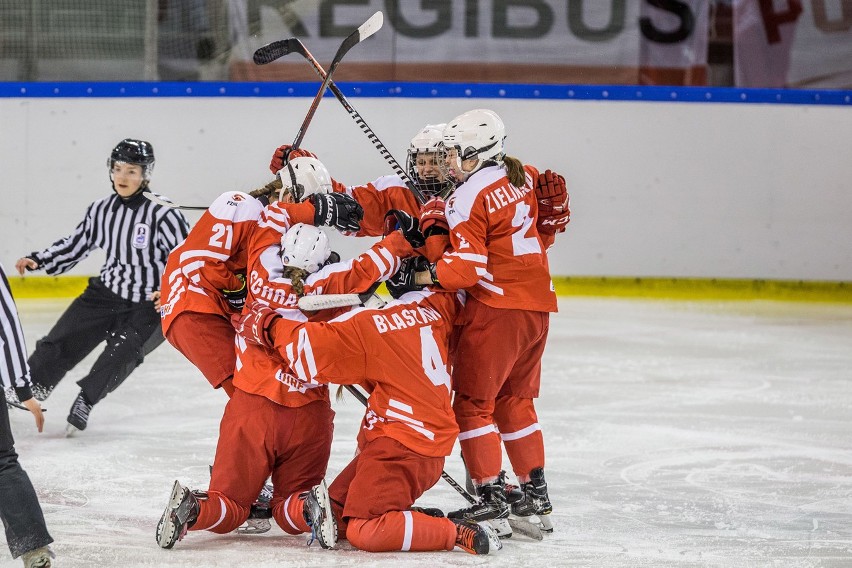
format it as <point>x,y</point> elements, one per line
<point>329,301</point>
<point>296,45</point>
<point>151,197</point>
<point>21,406</point>
<point>272,51</point>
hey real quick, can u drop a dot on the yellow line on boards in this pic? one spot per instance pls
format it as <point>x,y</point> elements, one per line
<point>660,288</point>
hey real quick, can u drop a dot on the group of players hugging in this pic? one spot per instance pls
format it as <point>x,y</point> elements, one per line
<point>455,355</point>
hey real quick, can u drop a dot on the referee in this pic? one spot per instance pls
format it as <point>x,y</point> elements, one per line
<point>120,305</point>
<point>26,533</point>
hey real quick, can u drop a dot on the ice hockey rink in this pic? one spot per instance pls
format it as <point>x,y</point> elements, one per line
<point>678,433</point>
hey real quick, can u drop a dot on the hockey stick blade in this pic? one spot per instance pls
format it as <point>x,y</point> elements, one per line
<point>151,197</point>
<point>296,45</point>
<point>328,301</point>
<point>271,51</point>
<point>364,31</point>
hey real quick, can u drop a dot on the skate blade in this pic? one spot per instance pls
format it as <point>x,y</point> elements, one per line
<point>165,528</point>
<point>525,526</point>
<point>254,526</point>
<point>328,528</point>
<point>71,431</point>
<point>545,523</point>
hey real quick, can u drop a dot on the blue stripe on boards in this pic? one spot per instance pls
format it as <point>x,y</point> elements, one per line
<point>430,90</point>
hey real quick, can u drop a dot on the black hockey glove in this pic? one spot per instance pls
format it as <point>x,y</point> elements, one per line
<point>337,210</point>
<point>237,298</point>
<point>403,281</point>
<point>396,219</point>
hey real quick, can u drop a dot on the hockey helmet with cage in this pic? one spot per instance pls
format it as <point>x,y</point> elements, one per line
<point>304,247</point>
<point>302,177</point>
<point>477,134</point>
<point>428,144</point>
<point>132,151</point>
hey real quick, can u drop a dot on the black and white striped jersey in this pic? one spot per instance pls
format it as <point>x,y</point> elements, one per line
<point>137,240</point>
<point>14,371</point>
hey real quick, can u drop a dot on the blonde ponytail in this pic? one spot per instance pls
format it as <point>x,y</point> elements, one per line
<point>268,190</point>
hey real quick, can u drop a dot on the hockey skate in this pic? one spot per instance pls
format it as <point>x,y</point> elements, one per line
<point>319,516</point>
<point>258,521</point>
<point>78,418</point>
<point>180,514</point>
<point>476,538</point>
<point>491,506</point>
<point>38,558</point>
<point>534,506</point>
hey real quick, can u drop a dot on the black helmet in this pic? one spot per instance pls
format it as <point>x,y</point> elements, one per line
<point>133,151</point>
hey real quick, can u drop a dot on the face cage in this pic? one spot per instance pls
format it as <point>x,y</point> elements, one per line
<point>429,187</point>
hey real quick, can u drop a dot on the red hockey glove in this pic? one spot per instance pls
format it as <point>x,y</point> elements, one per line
<point>551,193</point>
<point>283,154</point>
<point>433,218</point>
<point>253,325</point>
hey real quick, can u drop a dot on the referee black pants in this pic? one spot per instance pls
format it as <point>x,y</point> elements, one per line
<point>19,507</point>
<point>131,330</point>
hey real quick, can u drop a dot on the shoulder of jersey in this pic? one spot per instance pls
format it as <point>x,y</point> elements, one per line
<point>236,205</point>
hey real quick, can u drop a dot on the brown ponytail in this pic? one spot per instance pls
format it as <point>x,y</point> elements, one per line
<point>514,171</point>
<point>267,190</point>
<point>297,277</point>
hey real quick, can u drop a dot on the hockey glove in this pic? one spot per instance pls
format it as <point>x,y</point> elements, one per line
<point>237,298</point>
<point>284,154</point>
<point>551,193</point>
<point>337,210</point>
<point>433,218</point>
<point>253,326</point>
<point>407,225</point>
<point>403,280</point>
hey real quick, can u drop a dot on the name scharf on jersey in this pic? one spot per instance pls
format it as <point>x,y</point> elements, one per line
<point>409,317</point>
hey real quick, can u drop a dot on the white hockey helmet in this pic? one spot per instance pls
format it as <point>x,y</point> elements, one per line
<point>476,134</point>
<point>428,141</point>
<point>305,247</point>
<point>303,177</point>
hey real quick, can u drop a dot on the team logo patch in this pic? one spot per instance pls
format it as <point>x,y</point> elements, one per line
<point>141,235</point>
<point>237,197</point>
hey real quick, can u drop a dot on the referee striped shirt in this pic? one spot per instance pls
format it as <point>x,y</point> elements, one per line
<point>14,371</point>
<point>136,238</point>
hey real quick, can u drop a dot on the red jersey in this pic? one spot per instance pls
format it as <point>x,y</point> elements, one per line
<point>496,252</point>
<point>216,250</point>
<point>400,351</point>
<point>379,197</point>
<point>263,373</point>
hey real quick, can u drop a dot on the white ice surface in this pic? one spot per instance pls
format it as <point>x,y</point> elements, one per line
<point>677,434</point>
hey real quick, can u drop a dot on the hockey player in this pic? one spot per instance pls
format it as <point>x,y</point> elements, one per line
<point>399,353</point>
<point>20,512</point>
<point>204,282</point>
<point>272,423</point>
<point>498,256</point>
<point>118,305</point>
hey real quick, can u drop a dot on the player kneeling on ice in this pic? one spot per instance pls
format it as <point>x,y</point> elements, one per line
<point>399,354</point>
<point>273,423</point>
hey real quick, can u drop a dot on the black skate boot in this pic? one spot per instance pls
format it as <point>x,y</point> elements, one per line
<point>535,500</point>
<point>476,538</point>
<point>180,514</point>
<point>78,418</point>
<point>319,516</point>
<point>491,506</point>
